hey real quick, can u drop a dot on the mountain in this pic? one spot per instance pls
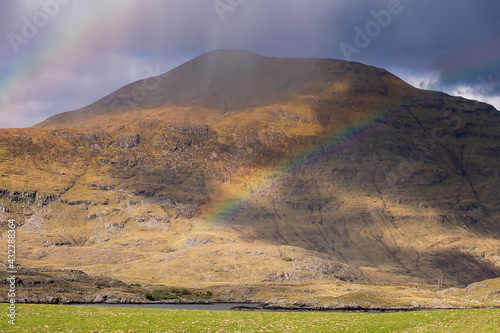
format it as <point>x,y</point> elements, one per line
<point>228,81</point>
<point>238,168</point>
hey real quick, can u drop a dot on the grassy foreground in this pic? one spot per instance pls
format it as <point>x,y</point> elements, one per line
<point>60,318</point>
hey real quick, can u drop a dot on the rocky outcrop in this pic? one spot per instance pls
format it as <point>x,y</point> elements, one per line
<point>45,286</point>
<point>127,141</point>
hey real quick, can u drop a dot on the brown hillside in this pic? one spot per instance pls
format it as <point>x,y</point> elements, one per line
<point>238,168</point>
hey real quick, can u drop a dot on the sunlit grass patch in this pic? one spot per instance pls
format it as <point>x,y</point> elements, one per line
<point>57,318</point>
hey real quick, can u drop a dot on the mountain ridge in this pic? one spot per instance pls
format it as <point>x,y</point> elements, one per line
<point>232,80</point>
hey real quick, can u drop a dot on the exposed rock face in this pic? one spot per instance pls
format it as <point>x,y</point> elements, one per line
<point>127,141</point>
<point>47,286</point>
<point>338,158</point>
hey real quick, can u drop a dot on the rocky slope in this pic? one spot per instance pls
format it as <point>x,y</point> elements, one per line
<point>237,168</point>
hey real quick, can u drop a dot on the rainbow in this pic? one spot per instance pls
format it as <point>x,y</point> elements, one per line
<point>263,185</point>
<point>487,63</point>
<point>64,47</point>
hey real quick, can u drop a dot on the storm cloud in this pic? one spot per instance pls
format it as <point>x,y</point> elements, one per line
<point>59,55</point>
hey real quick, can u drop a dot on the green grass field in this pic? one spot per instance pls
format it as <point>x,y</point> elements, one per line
<point>57,318</point>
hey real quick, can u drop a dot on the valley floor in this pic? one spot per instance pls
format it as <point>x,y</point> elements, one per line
<point>61,318</point>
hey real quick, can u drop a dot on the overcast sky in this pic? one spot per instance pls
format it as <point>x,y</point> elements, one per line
<point>60,55</point>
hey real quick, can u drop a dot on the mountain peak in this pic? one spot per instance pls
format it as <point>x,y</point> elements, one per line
<point>230,53</point>
<point>232,80</point>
